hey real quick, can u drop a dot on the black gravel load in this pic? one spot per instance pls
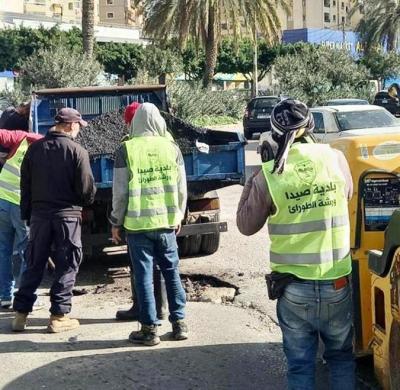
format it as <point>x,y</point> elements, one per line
<point>104,134</point>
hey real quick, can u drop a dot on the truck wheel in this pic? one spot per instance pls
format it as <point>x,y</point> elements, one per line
<point>189,245</point>
<point>210,242</point>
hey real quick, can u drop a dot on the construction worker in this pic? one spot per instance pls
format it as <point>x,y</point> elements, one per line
<point>160,293</point>
<point>302,194</point>
<point>56,181</point>
<point>13,231</point>
<point>150,205</point>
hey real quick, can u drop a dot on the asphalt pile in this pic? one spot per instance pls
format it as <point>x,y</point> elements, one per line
<point>104,133</point>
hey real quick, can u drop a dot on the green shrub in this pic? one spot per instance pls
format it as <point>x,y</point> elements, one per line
<point>191,102</point>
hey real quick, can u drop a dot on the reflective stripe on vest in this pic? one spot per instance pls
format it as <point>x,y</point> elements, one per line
<point>10,175</point>
<point>310,232</point>
<point>153,185</point>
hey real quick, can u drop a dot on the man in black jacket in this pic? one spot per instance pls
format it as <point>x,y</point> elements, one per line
<point>56,182</point>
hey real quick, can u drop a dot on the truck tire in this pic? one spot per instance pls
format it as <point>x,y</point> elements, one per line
<point>210,242</point>
<point>189,245</point>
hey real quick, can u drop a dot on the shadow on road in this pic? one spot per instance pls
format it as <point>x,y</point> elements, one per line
<point>234,366</point>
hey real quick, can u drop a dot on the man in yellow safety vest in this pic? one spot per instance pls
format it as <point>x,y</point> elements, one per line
<point>302,194</point>
<point>149,201</point>
<point>13,229</point>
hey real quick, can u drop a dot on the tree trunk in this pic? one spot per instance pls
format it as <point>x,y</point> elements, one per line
<point>88,26</point>
<point>391,42</point>
<point>211,49</point>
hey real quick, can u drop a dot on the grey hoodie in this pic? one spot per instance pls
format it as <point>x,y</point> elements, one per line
<point>147,122</point>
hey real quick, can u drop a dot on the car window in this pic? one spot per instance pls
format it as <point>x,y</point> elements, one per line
<point>264,103</point>
<point>382,95</point>
<point>365,119</point>
<point>319,122</point>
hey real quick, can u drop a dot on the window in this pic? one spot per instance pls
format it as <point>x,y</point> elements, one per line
<point>327,17</point>
<point>365,119</point>
<point>343,20</point>
<point>110,15</point>
<point>327,3</point>
<point>110,2</point>
<point>334,3</point>
<point>319,122</point>
<point>70,6</point>
<point>342,5</point>
<point>334,18</point>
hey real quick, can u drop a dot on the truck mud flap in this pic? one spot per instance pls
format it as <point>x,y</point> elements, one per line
<point>203,228</point>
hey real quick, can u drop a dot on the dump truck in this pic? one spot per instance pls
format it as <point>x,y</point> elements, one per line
<point>221,165</point>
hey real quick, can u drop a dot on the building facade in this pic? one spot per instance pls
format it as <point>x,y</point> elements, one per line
<point>326,14</point>
<point>68,11</point>
<point>119,13</point>
<point>16,6</point>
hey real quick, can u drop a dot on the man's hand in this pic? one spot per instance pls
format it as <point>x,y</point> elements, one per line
<point>177,229</point>
<point>116,235</point>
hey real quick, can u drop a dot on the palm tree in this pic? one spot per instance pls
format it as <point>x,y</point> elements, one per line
<point>88,26</point>
<point>380,24</point>
<point>201,20</point>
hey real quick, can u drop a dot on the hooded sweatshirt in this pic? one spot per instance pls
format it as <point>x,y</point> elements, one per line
<point>147,122</point>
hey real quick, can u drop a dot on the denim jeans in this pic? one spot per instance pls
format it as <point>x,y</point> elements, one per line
<point>13,239</point>
<point>156,247</point>
<point>309,311</point>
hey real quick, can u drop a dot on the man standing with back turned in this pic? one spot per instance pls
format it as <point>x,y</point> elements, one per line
<point>150,204</point>
<point>56,181</point>
<point>302,193</point>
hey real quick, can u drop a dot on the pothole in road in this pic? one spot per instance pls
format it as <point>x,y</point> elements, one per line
<point>206,288</point>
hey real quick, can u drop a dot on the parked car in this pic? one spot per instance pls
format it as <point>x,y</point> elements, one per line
<point>391,104</point>
<point>341,121</point>
<point>257,116</point>
<point>346,102</point>
<point>337,121</point>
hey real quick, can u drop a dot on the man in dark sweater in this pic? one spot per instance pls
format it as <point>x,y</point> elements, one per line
<point>56,182</point>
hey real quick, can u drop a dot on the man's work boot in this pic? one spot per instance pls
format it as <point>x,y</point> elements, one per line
<point>19,322</point>
<point>179,330</point>
<point>61,323</point>
<point>131,314</point>
<point>147,335</point>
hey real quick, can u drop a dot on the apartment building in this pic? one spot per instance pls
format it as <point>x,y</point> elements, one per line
<point>119,13</point>
<point>329,14</point>
<point>68,11</point>
<point>15,6</point>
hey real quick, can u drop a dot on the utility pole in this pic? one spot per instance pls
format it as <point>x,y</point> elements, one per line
<point>255,61</point>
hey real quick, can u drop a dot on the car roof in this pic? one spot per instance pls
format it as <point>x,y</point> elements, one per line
<point>348,108</point>
<point>347,100</point>
<point>265,97</point>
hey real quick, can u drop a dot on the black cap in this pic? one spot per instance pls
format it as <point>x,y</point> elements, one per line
<point>69,115</point>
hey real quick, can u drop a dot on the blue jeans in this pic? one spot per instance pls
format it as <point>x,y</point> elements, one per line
<point>13,238</point>
<point>159,247</point>
<point>309,311</point>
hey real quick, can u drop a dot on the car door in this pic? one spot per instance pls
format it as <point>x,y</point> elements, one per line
<point>319,129</point>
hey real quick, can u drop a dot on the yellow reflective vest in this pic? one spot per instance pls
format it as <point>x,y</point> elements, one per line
<point>310,230</point>
<point>10,175</point>
<point>153,184</point>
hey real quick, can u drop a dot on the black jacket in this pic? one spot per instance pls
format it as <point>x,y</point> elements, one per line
<point>56,178</point>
